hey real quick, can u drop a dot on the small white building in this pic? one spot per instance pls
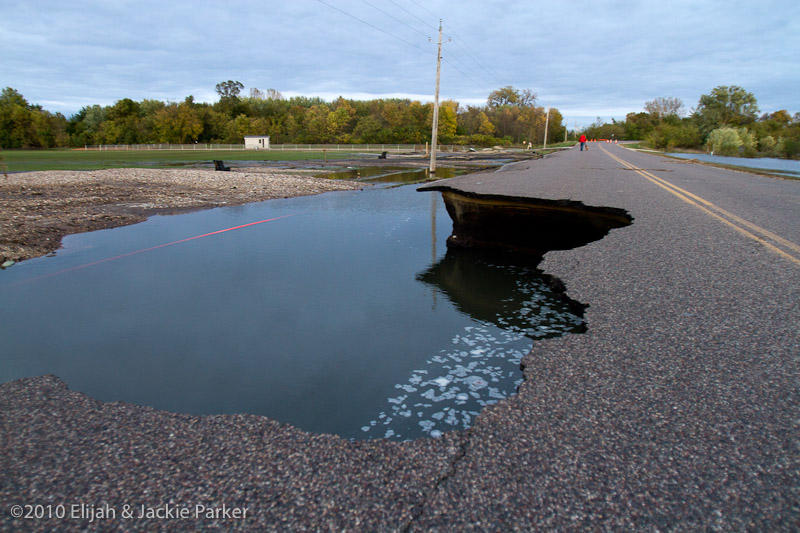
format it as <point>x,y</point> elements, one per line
<point>256,142</point>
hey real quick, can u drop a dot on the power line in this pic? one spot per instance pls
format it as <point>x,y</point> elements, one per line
<point>462,73</point>
<point>471,53</point>
<point>413,15</point>
<point>397,19</point>
<point>373,26</point>
<point>410,43</point>
<point>474,56</point>
<point>482,73</point>
<point>457,44</point>
<point>467,67</point>
<point>423,8</point>
<point>470,68</point>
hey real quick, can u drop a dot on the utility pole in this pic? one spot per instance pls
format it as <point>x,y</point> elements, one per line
<point>435,133</point>
<point>546,121</point>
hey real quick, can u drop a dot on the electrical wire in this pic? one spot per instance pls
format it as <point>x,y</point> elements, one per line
<point>478,74</point>
<point>413,15</point>
<point>422,8</point>
<point>397,19</point>
<point>474,55</point>
<point>455,57</point>
<point>471,53</point>
<point>375,27</point>
<point>462,73</point>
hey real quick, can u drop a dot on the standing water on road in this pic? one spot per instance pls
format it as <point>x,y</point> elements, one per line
<point>788,167</point>
<point>345,316</point>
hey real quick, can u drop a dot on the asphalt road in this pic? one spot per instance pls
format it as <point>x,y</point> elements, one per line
<point>676,410</point>
<point>679,407</point>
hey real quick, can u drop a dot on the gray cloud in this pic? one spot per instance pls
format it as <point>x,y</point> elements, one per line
<point>603,58</point>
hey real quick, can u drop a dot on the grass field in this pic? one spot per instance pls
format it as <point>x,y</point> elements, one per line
<point>29,160</point>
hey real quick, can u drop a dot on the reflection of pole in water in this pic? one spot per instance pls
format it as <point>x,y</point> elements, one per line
<point>433,240</point>
<point>433,227</point>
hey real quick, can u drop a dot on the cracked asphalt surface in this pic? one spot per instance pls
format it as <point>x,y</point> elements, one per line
<point>676,410</point>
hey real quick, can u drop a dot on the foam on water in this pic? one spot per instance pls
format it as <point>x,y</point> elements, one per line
<point>480,368</point>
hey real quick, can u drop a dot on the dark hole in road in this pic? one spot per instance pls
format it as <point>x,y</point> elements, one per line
<point>531,226</point>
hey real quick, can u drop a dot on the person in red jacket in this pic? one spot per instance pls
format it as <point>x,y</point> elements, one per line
<point>583,141</point>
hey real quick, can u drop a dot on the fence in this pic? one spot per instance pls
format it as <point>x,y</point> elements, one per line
<point>395,148</point>
<point>165,146</point>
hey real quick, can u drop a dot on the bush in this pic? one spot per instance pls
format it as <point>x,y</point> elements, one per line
<point>788,147</point>
<point>766,145</point>
<point>724,141</point>
<point>749,145</point>
<point>668,136</point>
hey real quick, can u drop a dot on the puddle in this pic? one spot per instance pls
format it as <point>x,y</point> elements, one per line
<point>339,313</point>
<point>510,305</point>
<point>393,175</point>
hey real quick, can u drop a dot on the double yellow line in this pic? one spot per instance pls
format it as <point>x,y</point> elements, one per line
<point>776,243</point>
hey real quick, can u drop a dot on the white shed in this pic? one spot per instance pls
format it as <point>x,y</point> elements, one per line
<point>256,142</point>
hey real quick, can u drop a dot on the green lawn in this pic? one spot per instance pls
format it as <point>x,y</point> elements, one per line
<point>29,160</point>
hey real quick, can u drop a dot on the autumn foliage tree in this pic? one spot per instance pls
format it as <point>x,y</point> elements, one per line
<point>725,106</point>
<point>23,125</point>
<point>662,107</point>
<point>510,116</point>
<point>725,121</point>
<point>178,123</point>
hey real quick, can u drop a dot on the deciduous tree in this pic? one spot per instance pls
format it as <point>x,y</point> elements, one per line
<point>662,107</point>
<point>508,95</point>
<point>178,123</point>
<point>23,125</point>
<point>229,89</point>
<point>725,106</point>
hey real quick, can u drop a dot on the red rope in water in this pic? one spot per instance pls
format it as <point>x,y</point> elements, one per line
<point>71,269</point>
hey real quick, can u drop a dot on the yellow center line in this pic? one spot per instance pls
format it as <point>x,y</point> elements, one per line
<point>728,218</point>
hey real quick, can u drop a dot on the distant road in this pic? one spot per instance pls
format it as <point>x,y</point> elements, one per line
<point>765,211</point>
<point>762,209</point>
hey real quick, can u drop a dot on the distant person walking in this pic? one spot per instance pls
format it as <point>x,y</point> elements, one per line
<point>583,141</point>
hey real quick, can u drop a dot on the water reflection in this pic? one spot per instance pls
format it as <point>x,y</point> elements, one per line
<point>343,318</point>
<point>510,304</point>
<point>393,175</point>
<point>782,166</point>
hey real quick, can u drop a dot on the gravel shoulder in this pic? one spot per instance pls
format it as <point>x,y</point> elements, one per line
<point>37,209</point>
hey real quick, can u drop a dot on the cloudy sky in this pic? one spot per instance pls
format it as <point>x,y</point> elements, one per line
<point>601,58</point>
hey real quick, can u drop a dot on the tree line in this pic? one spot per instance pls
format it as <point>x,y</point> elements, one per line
<point>725,122</point>
<point>509,116</point>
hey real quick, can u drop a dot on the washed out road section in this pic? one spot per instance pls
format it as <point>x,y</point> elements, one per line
<point>676,409</point>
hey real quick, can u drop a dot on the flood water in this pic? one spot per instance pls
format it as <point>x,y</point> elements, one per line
<point>789,167</point>
<point>388,175</point>
<point>339,313</point>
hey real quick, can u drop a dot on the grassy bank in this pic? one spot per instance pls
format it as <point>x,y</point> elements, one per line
<point>30,160</point>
